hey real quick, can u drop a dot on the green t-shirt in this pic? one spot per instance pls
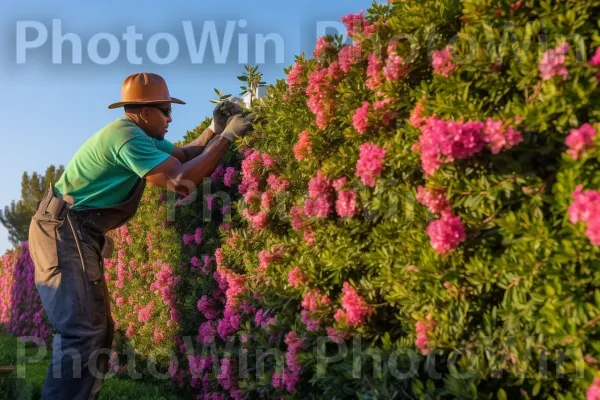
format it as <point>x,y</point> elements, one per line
<point>107,166</point>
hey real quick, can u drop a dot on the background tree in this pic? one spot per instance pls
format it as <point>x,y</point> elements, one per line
<point>17,216</point>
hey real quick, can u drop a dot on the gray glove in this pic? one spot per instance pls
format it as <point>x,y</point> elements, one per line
<point>222,112</point>
<point>237,126</point>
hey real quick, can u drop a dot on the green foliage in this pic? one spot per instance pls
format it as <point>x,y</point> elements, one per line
<point>17,216</point>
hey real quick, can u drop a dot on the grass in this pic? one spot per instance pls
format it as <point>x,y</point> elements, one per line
<point>27,380</point>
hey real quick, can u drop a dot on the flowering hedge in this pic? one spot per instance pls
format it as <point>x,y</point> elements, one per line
<point>425,198</point>
<point>21,311</point>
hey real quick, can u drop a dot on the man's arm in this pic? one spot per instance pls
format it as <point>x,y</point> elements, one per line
<point>193,149</point>
<point>184,178</point>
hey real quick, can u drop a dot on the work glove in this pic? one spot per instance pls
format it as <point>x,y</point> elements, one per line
<point>237,126</point>
<point>223,111</point>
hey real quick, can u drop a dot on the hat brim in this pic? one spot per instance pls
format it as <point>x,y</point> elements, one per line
<point>123,103</point>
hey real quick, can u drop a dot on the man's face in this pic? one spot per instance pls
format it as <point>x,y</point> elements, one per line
<point>157,120</point>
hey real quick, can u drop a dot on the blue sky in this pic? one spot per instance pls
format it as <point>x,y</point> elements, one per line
<point>51,105</point>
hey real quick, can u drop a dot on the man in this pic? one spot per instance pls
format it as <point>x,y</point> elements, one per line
<point>99,191</point>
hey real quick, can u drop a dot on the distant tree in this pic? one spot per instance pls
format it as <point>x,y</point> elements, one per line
<point>17,216</point>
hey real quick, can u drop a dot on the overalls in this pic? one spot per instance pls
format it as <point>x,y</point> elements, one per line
<point>68,248</point>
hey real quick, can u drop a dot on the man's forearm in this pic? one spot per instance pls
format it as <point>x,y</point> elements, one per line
<point>202,166</point>
<point>196,147</point>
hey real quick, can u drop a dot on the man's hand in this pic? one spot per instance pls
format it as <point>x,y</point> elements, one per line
<point>237,126</point>
<point>222,112</point>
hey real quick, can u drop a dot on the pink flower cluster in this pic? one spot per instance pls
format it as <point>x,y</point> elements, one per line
<point>299,222</point>
<point>442,62</point>
<point>165,283</point>
<point>446,233</point>
<point>355,310</point>
<point>321,46</point>
<point>595,60</point>
<point>593,392</point>
<point>208,307</point>
<point>395,66</point>
<point>374,72</point>
<point>290,376</point>
<point>294,77</point>
<point>21,310</point>
<point>313,302</point>
<point>423,329</point>
<point>553,63</point>
<point>348,56</point>
<point>586,208</point>
<point>191,239</point>
<point>320,92</point>
<point>435,200</point>
<point>357,23</point>
<point>296,277</point>
<point>445,141</point>
<point>217,174</point>
<point>360,119</point>
<point>267,257</point>
<point>303,148</point>
<point>231,318</point>
<point>580,140</point>
<point>346,204</point>
<point>370,163</point>
<point>145,313</point>
<point>229,177</point>
<point>320,194</point>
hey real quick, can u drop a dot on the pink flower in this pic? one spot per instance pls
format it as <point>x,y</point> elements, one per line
<point>145,313</point>
<point>416,117</point>
<point>498,138</point>
<point>302,148</point>
<point>435,200</point>
<point>309,236</point>
<point>346,203</point>
<point>374,69</point>
<point>553,63</point>
<point>446,233</point>
<point>277,184</point>
<point>356,310</point>
<point>207,307</point>
<point>395,66</point>
<point>355,23</point>
<point>370,163</point>
<point>595,60</point>
<point>318,185</point>
<point>320,47</point>
<point>348,56</point>
<point>266,200</point>
<point>442,62</point>
<point>294,77</point>
<point>320,92</point>
<point>228,179</point>
<point>361,117</point>
<point>580,140</point>
<point>334,71</point>
<point>335,335</point>
<point>593,392</point>
<point>423,328</point>
<point>257,221</point>
<point>217,173</point>
<point>296,277</point>
<point>188,239</point>
<point>211,202</point>
<point>586,208</point>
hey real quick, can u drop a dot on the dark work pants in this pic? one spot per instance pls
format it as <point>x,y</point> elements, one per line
<point>69,277</point>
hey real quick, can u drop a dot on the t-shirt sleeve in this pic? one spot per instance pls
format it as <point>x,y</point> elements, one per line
<point>141,155</point>
<point>164,145</point>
